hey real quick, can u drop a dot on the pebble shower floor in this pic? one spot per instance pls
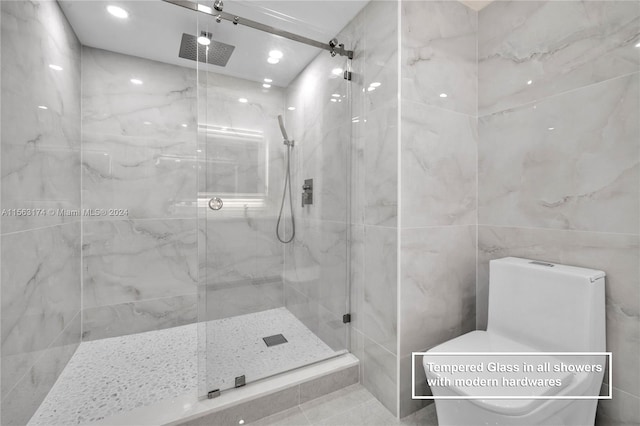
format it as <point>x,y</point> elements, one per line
<point>115,375</point>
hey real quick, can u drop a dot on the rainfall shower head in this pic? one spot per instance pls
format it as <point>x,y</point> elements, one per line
<point>216,53</point>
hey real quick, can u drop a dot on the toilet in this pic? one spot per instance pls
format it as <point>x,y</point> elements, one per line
<point>533,307</point>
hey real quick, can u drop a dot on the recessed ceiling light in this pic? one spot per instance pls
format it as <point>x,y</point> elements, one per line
<point>55,67</point>
<point>136,81</point>
<point>336,71</point>
<point>370,89</point>
<point>266,86</point>
<point>530,82</point>
<point>273,60</point>
<point>291,108</point>
<point>275,54</point>
<point>118,12</point>
<point>184,125</point>
<point>638,45</point>
<point>334,100</point>
<point>375,84</point>
<point>335,95</point>
<point>443,95</point>
<point>268,80</point>
<point>243,100</point>
<point>551,128</point>
<point>42,107</point>
<point>147,123</point>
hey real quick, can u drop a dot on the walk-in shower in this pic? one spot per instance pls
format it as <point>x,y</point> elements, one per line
<point>187,290</point>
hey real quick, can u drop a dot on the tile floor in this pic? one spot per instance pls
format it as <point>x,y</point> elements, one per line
<point>351,406</point>
<point>110,376</point>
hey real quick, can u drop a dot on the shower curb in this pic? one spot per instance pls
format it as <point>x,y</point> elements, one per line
<point>249,403</point>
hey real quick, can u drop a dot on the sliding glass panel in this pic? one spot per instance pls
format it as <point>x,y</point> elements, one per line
<point>273,114</point>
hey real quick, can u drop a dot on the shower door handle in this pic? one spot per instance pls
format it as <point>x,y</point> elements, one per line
<point>215,203</point>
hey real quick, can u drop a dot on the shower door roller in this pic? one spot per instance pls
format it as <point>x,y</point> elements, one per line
<point>215,203</point>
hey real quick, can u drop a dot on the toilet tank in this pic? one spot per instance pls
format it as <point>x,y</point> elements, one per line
<point>548,306</point>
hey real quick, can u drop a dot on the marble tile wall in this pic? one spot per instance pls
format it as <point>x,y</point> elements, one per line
<point>318,118</point>
<point>373,233</point>
<point>139,155</point>
<point>438,157</point>
<point>40,169</point>
<point>559,157</point>
<point>241,260</point>
<point>150,149</point>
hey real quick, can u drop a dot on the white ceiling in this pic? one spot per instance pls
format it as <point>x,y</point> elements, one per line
<point>154,30</point>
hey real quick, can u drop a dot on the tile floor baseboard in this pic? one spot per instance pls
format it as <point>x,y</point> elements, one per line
<point>351,406</point>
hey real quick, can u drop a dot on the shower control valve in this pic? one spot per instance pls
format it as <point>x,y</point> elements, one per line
<point>307,194</point>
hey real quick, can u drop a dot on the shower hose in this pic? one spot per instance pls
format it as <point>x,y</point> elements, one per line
<point>287,185</point>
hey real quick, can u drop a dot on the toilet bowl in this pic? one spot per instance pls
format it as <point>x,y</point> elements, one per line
<point>533,307</point>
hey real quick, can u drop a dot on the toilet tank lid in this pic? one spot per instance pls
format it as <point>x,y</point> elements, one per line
<point>591,275</point>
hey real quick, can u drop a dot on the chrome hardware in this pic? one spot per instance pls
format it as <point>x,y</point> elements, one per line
<point>215,203</point>
<point>218,5</point>
<point>240,381</point>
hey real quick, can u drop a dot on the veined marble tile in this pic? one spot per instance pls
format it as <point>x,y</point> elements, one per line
<point>381,168</point>
<point>568,162</point>
<point>380,55</point>
<point>438,270</point>
<point>622,409</point>
<point>137,317</point>
<point>357,283</point>
<point>322,155</point>
<point>380,374</point>
<point>439,54</point>
<point>40,294</point>
<point>22,402</point>
<point>127,261</point>
<point>320,96</point>
<point>40,147</point>
<point>615,254</point>
<point>242,298</point>
<point>315,263</point>
<point>555,45</point>
<point>241,247</point>
<point>379,309</point>
<point>407,404</point>
<point>439,161</point>
<point>112,105</point>
<point>146,177</point>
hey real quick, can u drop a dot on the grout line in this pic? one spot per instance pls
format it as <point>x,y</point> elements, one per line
<point>44,351</point>
<point>554,95</point>
<point>438,107</point>
<point>558,230</point>
<point>142,300</point>
<point>477,242</point>
<point>82,222</point>
<point>399,211</point>
<point>40,228</point>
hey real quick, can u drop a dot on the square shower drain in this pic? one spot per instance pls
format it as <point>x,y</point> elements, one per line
<point>276,339</point>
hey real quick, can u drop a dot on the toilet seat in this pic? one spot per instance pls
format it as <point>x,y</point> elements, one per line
<point>482,341</point>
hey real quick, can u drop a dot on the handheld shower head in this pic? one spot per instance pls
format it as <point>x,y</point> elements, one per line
<point>284,131</point>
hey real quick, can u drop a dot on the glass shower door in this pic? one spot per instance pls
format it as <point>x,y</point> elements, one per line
<point>265,306</point>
